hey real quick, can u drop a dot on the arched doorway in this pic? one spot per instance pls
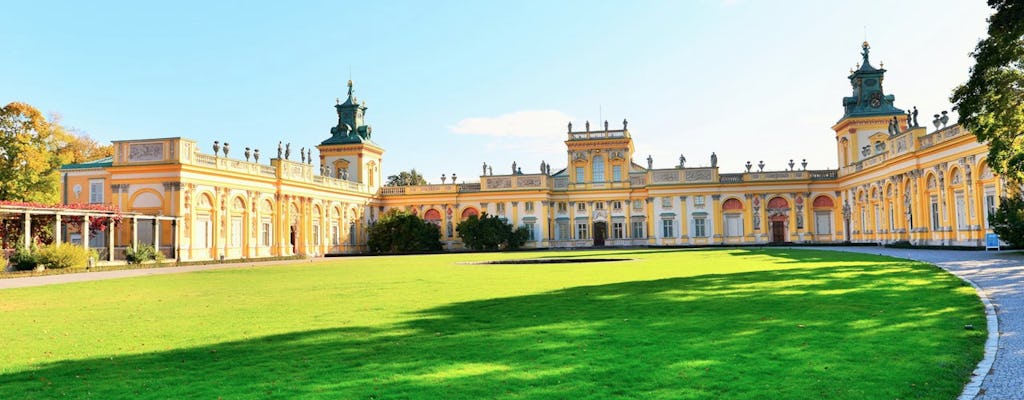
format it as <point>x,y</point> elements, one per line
<point>778,217</point>
<point>600,231</point>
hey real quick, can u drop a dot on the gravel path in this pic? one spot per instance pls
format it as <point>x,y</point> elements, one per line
<point>999,277</point>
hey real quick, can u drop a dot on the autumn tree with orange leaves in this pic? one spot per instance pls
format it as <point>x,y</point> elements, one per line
<point>32,150</point>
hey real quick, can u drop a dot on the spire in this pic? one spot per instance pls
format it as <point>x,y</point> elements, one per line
<point>350,81</point>
<point>350,128</point>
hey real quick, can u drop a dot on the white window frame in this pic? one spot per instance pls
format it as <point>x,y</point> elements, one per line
<point>96,191</point>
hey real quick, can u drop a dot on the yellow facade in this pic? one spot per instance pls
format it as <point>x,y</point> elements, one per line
<point>894,184</point>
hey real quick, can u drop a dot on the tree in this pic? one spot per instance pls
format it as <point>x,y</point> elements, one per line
<point>32,150</point>
<point>1008,220</point>
<point>399,232</point>
<point>406,178</point>
<point>991,103</point>
<point>490,232</point>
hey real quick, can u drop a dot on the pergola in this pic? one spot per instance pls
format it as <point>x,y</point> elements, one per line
<point>86,216</point>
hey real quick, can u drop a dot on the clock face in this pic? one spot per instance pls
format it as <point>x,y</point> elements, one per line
<point>876,99</point>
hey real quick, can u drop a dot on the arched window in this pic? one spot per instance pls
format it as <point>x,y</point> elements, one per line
<point>732,205</point>
<point>598,170</point>
<point>432,216</point>
<point>469,212</point>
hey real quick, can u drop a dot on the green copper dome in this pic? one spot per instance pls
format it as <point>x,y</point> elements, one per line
<point>350,129</point>
<point>868,98</point>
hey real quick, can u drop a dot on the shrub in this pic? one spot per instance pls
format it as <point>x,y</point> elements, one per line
<point>65,255</point>
<point>24,258</point>
<point>490,232</point>
<point>1008,220</point>
<point>141,254</point>
<point>402,233</point>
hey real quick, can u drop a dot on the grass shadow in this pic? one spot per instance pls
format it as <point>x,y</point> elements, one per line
<point>795,333</point>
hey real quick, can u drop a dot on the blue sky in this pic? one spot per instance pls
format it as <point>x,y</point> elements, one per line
<point>452,84</point>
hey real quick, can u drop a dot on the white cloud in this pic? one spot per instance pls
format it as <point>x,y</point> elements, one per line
<point>526,123</point>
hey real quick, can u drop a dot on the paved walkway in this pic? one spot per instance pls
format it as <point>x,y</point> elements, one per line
<point>1000,277</point>
<point>11,283</point>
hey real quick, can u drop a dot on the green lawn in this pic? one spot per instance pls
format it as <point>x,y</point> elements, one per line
<point>679,324</point>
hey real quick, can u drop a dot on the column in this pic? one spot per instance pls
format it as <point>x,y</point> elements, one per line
<point>110,239</point>
<point>684,221</point>
<point>651,238</point>
<point>57,239</point>
<point>748,218</point>
<point>174,239</point>
<point>26,232</point>
<point>627,228</point>
<point>135,232</point>
<point>156,234</point>
<point>84,231</point>
<point>716,216</point>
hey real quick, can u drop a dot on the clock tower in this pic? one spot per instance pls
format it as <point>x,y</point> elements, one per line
<point>867,114</point>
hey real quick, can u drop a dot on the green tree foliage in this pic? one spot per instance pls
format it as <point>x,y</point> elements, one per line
<point>991,103</point>
<point>490,232</point>
<point>406,178</point>
<point>1008,220</point>
<point>403,233</point>
<point>64,255</point>
<point>32,150</point>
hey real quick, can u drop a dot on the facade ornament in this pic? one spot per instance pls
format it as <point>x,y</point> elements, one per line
<point>650,162</point>
<point>748,165</point>
<point>944,119</point>
<point>513,168</point>
<point>484,172</point>
<point>624,123</point>
<point>248,154</point>
<point>309,156</point>
<point>302,153</point>
<point>588,125</point>
<point>714,160</point>
<point>682,161</point>
<point>279,149</point>
<point>454,177</point>
<point>443,179</point>
<point>216,148</point>
<point>570,126</point>
<point>791,164</point>
<point>256,155</point>
<point>606,125</point>
<point>227,147</point>
<point>760,166</point>
<point>490,170</point>
<point>915,117</point>
<point>287,150</point>
<point>804,164</point>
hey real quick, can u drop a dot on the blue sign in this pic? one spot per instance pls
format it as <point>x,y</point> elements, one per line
<point>991,241</point>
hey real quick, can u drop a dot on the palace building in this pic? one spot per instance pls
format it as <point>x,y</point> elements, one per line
<point>897,181</point>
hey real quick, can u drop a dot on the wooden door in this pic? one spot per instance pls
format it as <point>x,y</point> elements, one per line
<point>778,231</point>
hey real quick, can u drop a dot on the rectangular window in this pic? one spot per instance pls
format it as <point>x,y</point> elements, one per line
<point>667,226</point>
<point>878,219</point>
<point>500,208</point>
<point>268,233</point>
<point>822,222</point>
<point>863,220</point>
<point>581,230</point>
<point>316,235</point>
<point>617,173</point>
<point>961,210</point>
<point>562,207</point>
<point>581,175</point>
<point>990,204</point>
<point>335,235</point>
<point>530,228</point>
<point>528,206</point>
<point>733,226</point>
<point>638,204</point>
<point>698,201</point>
<point>892,218</point>
<point>236,232</point>
<point>563,230</point>
<point>700,228</point>
<point>666,202</point>
<point>599,205</point>
<point>95,191</point>
<point>935,214</point>
<point>202,237</point>
<point>617,205</point>
<point>597,168</point>
<point>638,230</point>
<point>581,206</point>
<point>617,230</point>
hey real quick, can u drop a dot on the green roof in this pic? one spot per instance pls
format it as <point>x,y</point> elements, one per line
<point>101,163</point>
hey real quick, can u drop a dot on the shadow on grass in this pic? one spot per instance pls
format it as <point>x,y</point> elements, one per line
<point>847,332</point>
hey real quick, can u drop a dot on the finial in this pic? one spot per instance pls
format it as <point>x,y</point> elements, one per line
<point>881,64</point>
<point>350,88</point>
<point>337,100</point>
